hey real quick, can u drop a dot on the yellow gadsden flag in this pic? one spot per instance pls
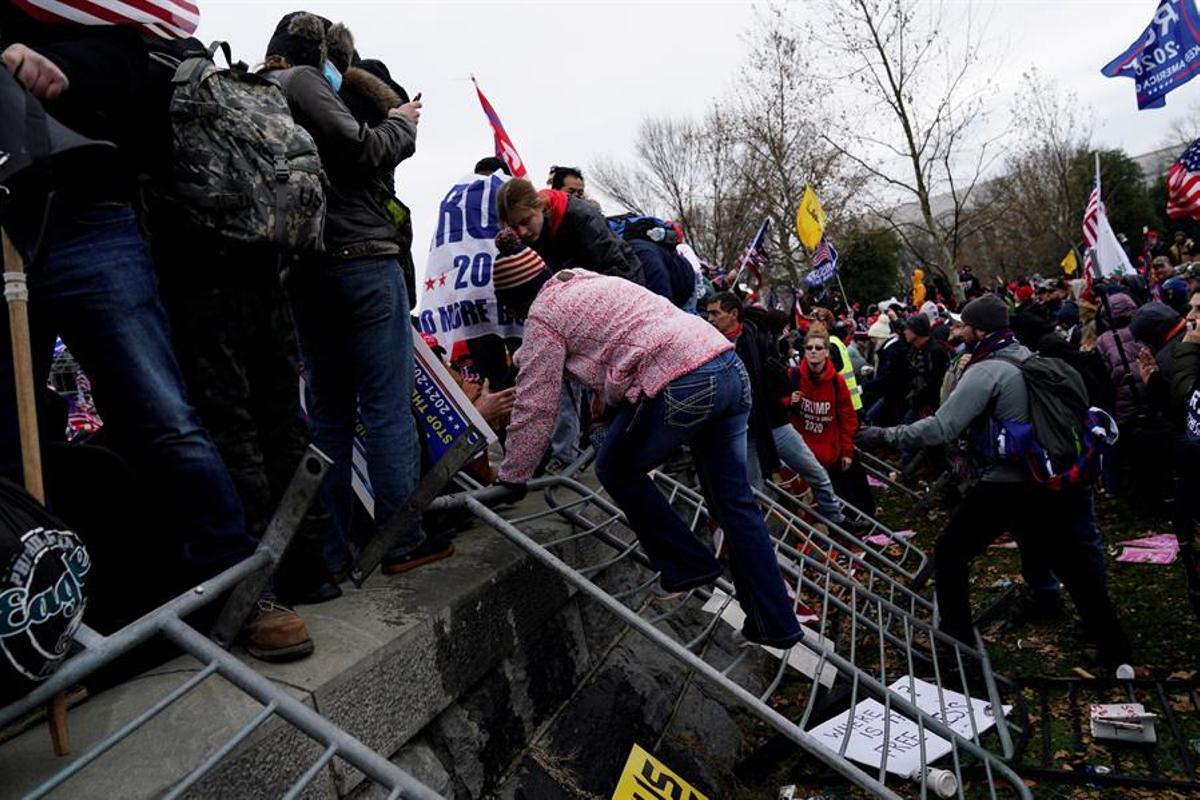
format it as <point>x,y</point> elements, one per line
<point>810,219</point>
<point>1069,264</point>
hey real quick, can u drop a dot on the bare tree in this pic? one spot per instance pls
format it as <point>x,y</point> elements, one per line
<point>782,123</point>
<point>1037,201</point>
<point>689,172</point>
<point>913,116</point>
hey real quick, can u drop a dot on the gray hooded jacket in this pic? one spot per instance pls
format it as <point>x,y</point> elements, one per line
<point>993,384</point>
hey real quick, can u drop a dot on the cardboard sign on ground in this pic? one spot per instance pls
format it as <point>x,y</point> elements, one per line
<point>903,736</point>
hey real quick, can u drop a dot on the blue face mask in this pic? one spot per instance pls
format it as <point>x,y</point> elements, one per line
<point>333,76</point>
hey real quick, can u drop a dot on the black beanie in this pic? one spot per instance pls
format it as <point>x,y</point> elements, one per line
<point>987,313</point>
<point>300,38</point>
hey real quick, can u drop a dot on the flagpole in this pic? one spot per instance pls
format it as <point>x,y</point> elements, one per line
<point>842,289</point>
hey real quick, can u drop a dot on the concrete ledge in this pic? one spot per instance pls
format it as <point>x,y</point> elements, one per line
<point>390,658</point>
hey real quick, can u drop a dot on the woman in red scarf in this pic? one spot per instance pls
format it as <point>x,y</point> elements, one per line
<point>823,413</point>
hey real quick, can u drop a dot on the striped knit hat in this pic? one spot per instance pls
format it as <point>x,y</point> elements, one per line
<point>516,263</point>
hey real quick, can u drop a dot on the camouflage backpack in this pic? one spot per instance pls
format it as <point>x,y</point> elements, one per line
<point>242,169</point>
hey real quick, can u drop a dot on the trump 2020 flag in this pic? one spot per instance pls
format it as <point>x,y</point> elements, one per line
<point>824,264</point>
<point>1164,57</point>
<point>505,151</point>
<point>166,19</point>
<point>456,299</point>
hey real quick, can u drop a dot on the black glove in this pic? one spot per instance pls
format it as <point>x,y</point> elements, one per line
<point>869,437</point>
<point>516,491</point>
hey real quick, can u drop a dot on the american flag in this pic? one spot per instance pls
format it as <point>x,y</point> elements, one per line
<point>1091,217</point>
<point>1091,220</point>
<point>1183,184</point>
<point>167,19</point>
<point>754,257</point>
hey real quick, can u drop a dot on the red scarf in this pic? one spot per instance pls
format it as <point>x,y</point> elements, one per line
<point>735,333</point>
<point>1175,330</point>
<point>556,207</point>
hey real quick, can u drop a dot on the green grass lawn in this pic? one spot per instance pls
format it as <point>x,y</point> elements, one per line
<point>1153,607</point>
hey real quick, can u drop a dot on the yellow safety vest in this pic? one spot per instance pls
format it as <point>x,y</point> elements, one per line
<point>847,372</point>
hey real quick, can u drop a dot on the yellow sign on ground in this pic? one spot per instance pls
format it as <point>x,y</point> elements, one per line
<point>647,778</point>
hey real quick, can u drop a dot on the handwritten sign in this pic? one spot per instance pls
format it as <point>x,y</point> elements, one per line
<point>647,778</point>
<point>867,741</point>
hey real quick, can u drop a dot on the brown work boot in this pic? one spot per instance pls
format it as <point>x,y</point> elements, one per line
<point>276,633</point>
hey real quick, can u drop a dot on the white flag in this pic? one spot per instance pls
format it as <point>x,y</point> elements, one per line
<point>1110,258</point>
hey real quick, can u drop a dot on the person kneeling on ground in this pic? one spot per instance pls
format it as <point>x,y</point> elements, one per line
<point>676,380</point>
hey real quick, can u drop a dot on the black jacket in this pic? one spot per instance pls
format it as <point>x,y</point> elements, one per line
<point>1030,322</point>
<point>891,375</point>
<point>666,272</point>
<point>358,160</point>
<point>583,239</point>
<point>768,383</point>
<point>927,368</point>
<point>108,98</point>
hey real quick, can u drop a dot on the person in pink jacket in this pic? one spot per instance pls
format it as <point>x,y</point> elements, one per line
<point>674,380</point>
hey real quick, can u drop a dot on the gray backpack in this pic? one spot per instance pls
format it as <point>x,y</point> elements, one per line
<point>242,169</point>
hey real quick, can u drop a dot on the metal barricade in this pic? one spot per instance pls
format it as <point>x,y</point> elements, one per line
<point>167,622</point>
<point>874,643</point>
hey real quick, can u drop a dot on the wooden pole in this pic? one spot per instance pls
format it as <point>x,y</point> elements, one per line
<point>16,292</point>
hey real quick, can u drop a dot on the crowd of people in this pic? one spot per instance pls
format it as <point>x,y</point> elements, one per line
<point>194,343</point>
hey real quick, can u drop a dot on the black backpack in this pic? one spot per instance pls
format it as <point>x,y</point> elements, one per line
<point>242,170</point>
<point>1058,408</point>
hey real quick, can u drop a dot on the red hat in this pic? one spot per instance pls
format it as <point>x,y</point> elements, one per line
<point>459,351</point>
<point>1024,292</point>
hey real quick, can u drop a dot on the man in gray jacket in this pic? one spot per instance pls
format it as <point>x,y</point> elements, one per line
<point>1046,524</point>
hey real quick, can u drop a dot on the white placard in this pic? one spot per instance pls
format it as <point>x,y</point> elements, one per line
<point>866,744</point>
<point>801,657</point>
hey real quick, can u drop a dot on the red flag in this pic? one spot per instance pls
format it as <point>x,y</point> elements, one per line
<point>504,146</point>
<point>167,19</point>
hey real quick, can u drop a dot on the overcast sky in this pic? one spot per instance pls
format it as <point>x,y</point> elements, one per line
<point>573,80</point>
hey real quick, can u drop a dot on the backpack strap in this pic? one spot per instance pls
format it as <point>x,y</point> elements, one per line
<point>224,48</point>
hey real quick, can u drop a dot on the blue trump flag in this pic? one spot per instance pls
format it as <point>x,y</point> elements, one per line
<point>824,264</point>
<point>1165,56</point>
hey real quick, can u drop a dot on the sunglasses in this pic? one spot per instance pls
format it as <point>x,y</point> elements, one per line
<point>814,347</point>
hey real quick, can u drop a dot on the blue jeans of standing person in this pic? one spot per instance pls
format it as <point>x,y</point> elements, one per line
<point>95,287</point>
<point>356,343</point>
<point>795,453</point>
<point>707,409</point>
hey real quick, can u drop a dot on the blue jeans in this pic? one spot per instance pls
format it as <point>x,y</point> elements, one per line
<point>96,289</point>
<point>356,343</point>
<point>708,409</point>
<point>564,441</point>
<point>795,454</point>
